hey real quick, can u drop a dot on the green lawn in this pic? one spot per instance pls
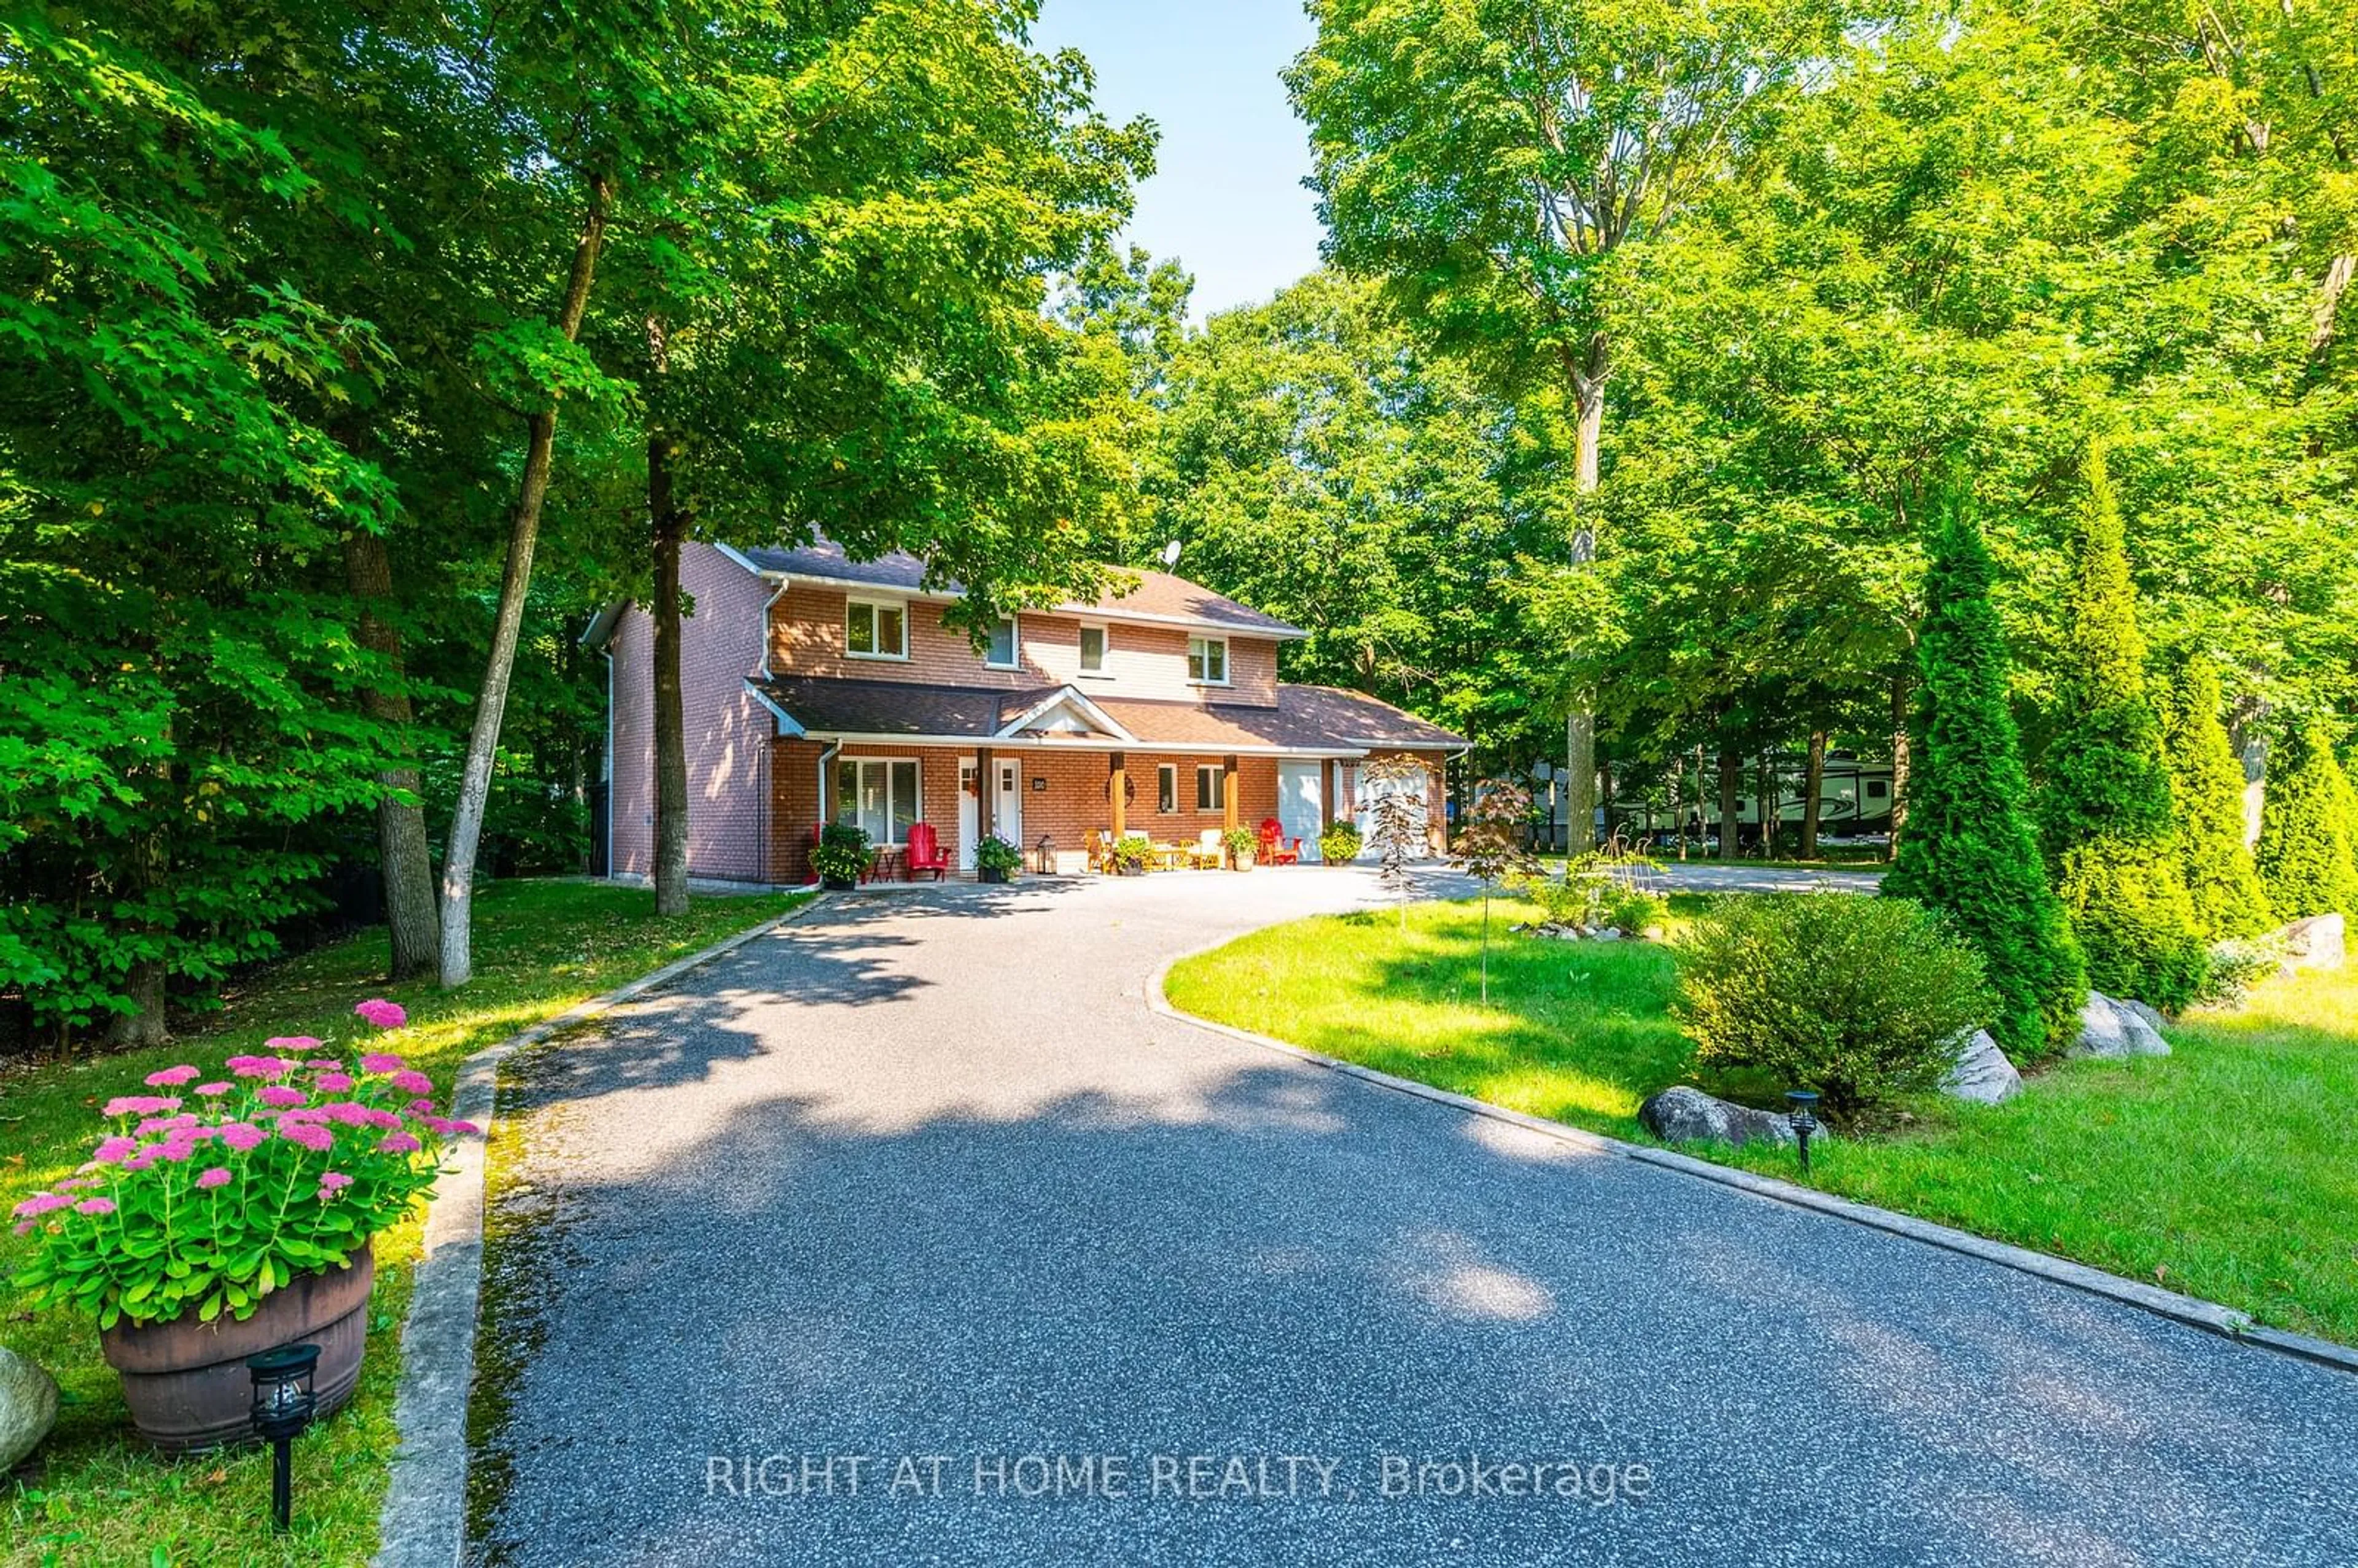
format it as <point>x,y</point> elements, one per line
<point>2224,1170</point>
<point>93,1493</point>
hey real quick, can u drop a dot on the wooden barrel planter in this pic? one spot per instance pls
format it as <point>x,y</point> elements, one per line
<point>186,1380</point>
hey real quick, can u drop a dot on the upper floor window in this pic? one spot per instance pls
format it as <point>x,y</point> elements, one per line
<point>1093,650</point>
<point>873,629</point>
<point>1207,661</point>
<point>1000,653</point>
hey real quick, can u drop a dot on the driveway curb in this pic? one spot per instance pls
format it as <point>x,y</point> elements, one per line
<point>2191,1310</point>
<point>423,1524</point>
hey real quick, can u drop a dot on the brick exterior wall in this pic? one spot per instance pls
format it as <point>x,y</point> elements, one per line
<point>806,637</point>
<point>728,733</point>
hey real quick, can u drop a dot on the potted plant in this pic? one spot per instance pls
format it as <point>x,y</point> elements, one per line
<point>221,1218</point>
<point>1338,845</point>
<point>995,859</point>
<point>1241,842</point>
<point>1129,855</point>
<point>840,855</point>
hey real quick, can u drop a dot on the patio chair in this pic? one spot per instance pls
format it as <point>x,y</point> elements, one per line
<point>1275,849</point>
<point>1100,860</point>
<point>1209,852</point>
<point>925,853</point>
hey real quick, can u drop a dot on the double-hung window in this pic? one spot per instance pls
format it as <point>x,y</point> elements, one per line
<point>1208,797</point>
<point>1000,653</point>
<point>1207,661</point>
<point>1166,788</point>
<point>1093,650</point>
<point>879,793</point>
<point>876,628</point>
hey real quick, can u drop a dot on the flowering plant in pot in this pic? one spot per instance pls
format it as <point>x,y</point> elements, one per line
<point>223,1217</point>
<point>1129,856</point>
<point>994,858</point>
<point>842,855</point>
<point>1242,842</point>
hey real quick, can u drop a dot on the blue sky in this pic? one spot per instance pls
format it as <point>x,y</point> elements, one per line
<point>1226,196</point>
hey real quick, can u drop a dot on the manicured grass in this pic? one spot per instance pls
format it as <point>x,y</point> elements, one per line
<point>93,1493</point>
<point>2224,1170</point>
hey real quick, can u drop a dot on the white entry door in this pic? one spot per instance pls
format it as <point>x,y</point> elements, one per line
<point>1370,790</point>
<point>1007,806</point>
<point>968,832</point>
<point>1301,808</point>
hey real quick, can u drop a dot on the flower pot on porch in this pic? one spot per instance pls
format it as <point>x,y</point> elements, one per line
<point>186,1380</point>
<point>837,884</point>
<point>991,874</point>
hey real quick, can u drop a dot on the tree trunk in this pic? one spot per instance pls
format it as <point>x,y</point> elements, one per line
<point>671,728</point>
<point>1898,764</point>
<point>490,706</point>
<point>402,845</point>
<point>149,864</point>
<point>1580,720</point>
<point>1813,782</point>
<point>2336,284</point>
<point>1731,790</point>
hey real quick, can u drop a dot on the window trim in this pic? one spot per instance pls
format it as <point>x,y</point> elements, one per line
<point>1166,788</point>
<point>1196,639</point>
<point>1105,650</point>
<point>1217,773</point>
<point>1014,647</point>
<point>874,603</point>
<point>887,764</point>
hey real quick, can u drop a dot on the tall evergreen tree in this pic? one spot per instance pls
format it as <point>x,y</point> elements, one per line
<point>2104,806</point>
<point>2206,795</point>
<point>2305,848</point>
<point>1971,848</point>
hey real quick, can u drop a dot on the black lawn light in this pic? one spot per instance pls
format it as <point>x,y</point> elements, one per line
<point>283,1405</point>
<point>1803,1120</point>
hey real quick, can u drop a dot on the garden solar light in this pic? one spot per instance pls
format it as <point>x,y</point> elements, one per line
<point>1804,1102</point>
<point>283,1405</point>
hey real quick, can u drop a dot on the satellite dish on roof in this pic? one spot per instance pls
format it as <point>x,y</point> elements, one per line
<point>1171,553</point>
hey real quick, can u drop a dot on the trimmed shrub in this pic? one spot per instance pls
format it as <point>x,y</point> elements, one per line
<point>2206,797</point>
<point>1634,908</point>
<point>1969,849</point>
<point>1860,999</point>
<point>2305,851</point>
<point>1339,842</point>
<point>2104,805</point>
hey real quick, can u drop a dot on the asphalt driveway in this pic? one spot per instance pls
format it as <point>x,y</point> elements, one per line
<point>909,1234</point>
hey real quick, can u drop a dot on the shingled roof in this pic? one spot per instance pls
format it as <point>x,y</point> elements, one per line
<point>1158,595</point>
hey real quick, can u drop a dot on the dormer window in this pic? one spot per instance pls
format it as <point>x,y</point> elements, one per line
<point>1207,661</point>
<point>1093,650</point>
<point>1000,653</point>
<point>876,628</point>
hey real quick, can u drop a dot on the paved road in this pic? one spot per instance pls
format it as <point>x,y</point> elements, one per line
<point>1702,876</point>
<point>923,1177</point>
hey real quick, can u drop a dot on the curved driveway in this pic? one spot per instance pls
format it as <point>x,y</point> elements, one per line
<point>921,1179</point>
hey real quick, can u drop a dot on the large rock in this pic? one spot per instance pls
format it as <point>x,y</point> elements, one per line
<point>2108,1029</point>
<point>28,1407</point>
<point>2152,1015</point>
<point>1982,1074</point>
<point>2315,943</point>
<point>1684,1115</point>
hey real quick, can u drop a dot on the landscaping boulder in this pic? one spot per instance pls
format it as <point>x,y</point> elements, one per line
<point>2315,943</point>
<point>28,1407</point>
<point>2108,1029</point>
<point>1684,1115</point>
<point>1982,1074</point>
<point>2152,1016</point>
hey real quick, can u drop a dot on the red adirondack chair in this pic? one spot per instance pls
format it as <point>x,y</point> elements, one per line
<point>925,853</point>
<point>1275,850</point>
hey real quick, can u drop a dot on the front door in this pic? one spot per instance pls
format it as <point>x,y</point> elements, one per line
<point>968,833</point>
<point>1007,806</point>
<point>1300,808</point>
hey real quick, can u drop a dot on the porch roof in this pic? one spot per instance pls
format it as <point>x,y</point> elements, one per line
<point>1314,719</point>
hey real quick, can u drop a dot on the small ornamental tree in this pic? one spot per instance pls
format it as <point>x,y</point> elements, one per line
<point>1970,849</point>
<point>2206,795</point>
<point>1397,822</point>
<point>2305,848</point>
<point>2104,805</point>
<point>1490,848</point>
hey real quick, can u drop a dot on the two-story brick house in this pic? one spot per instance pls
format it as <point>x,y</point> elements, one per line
<point>817,688</point>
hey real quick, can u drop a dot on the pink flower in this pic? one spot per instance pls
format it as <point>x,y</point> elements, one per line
<point>115,1151</point>
<point>382,1062</point>
<point>170,1078</point>
<point>333,1083</point>
<point>409,1083</point>
<point>40,1203</point>
<point>293,1042</point>
<point>141,1161</point>
<point>319,1140</point>
<point>212,1090</point>
<point>423,1105</point>
<point>324,1065</point>
<point>243,1136</point>
<point>398,1144</point>
<point>382,1014</point>
<point>346,1113</point>
<point>450,1129</point>
<point>218,1176</point>
<point>282,1095</point>
<point>95,1206</point>
<point>334,1182</point>
<point>139,1105</point>
<point>173,1150</point>
<point>260,1067</point>
<point>385,1119</point>
<point>75,1183</point>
